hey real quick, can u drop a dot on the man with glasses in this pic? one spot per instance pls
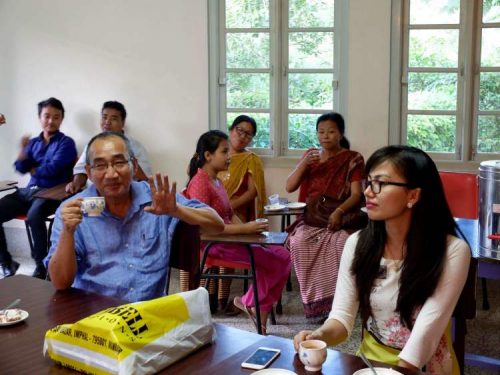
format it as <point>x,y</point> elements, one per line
<point>113,115</point>
<point>125,251</point>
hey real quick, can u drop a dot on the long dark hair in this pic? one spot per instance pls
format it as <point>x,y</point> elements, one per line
<point>339,121</point>
<point>430,225</point>
<point>208,141</point>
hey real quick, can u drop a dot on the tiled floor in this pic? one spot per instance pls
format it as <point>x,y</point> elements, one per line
<point>27,266</point>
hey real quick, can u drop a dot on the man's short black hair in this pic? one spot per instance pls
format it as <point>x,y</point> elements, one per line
<point>115,105</point>
<point>50,102</point>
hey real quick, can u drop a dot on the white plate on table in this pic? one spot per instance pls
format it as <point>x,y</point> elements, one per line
<point>296,205</point>
<point>274,371</point>
<point>380,371</point>
<point>274,207</point>
<point>23,316</point>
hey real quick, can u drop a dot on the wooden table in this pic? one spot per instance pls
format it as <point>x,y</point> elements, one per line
<point>21,345</point>
<point>7,185</point>
<point>265,238</point>
<point>57,193</point>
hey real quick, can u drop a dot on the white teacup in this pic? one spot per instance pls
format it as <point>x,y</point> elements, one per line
<point>93,206</point>
<point>312,354</point>
<point>262,220</point>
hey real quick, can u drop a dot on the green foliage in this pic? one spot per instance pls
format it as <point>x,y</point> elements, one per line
<point>306,90</point>
<point>488,134</point>
<point>311,13</point>
<point>302,131</point>
<point>247,13</point>
<point>489,92</point>
<point>432,133</point>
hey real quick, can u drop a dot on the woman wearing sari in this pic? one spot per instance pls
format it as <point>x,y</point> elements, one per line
<point>244,180</point>
<point>334,171</point>
<point>245,186</point>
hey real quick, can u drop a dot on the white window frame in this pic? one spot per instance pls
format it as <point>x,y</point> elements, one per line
<point>279,72</point>
<point>468,71</point>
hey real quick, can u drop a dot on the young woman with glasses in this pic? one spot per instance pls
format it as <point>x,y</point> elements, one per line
<point>405,271</point>
<point>244,184</point>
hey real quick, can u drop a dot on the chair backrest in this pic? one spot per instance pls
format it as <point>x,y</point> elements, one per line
<point>462,193</point>
<point>185,252</point>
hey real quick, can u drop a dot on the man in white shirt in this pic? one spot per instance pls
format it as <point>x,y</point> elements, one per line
<point>113,116</point>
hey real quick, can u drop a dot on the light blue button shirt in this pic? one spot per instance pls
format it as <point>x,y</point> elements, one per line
<point>125,258</point>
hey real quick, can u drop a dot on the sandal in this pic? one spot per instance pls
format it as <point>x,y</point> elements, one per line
<point>237,302</point>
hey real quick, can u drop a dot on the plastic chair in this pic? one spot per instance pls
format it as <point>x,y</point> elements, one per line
<point>462,193</point>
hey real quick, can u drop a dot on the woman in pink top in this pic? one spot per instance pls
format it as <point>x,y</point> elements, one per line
<point>405,271</point>
<point>272,262</point>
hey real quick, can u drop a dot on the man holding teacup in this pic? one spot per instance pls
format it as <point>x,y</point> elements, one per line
<point>124,251</point>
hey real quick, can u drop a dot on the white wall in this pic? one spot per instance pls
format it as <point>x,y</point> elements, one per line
<point>152,56</point>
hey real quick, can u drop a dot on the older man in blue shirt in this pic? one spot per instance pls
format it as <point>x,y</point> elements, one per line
<point>125,251</point>
<point>49,158</point>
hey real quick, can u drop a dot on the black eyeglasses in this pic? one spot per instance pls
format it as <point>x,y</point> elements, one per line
<point>376,185</point>
<point>243,133</point>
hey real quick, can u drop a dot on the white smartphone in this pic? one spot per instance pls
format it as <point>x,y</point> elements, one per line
<point>261,358</point>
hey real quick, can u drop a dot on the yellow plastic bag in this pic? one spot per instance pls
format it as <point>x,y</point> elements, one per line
<point>137,338</point>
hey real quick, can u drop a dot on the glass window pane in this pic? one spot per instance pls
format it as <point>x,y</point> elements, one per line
<point>490,47</point>
<point>310,91</point>
<point>302,131</point>
<point>311,13</point>
<point>488,134</point>
<point>489,92</point>
<point>432,133</point>
<point>434,12</point>
<point>433,91</point>
<point>433,48</point>
<point>262,138</point>
<point>491,11</point>
<point>247,13</point>
<point>247,50</point>
<point>247,90</point>
<point>312,50</point>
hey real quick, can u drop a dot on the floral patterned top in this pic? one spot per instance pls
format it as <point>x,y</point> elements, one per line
<point>426,344</point>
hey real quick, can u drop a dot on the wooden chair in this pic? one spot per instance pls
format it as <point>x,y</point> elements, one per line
<point>185,253</point>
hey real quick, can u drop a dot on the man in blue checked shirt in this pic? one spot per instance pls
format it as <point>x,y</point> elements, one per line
<point>124,252</point>
<point>49,159</point>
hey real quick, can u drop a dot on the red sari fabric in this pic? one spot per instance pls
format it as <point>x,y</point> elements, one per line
<point>332,177</point>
